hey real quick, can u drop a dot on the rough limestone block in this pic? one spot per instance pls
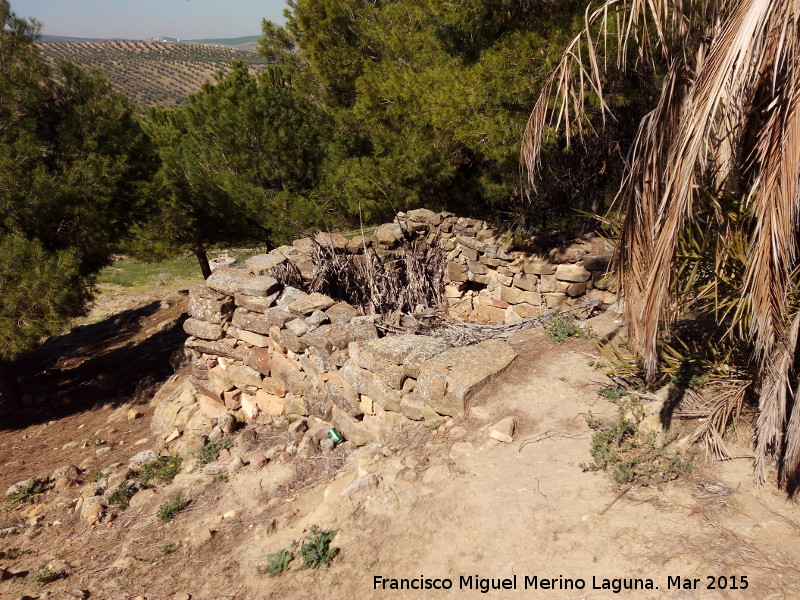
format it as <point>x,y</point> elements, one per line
<point>576,289</point>
<point>477,268</point>
<point>356,330</point>
<point>424,215</point>
<point>514,295</point>
<point>538,268</point>
<point>572,273</point>
<point>342,395</point>
<point>269,404</point>
<point>248,337</point>
<point>456,271</point>
<point>447,382</point>
<point>388,235</point>
<point>207,305</point>
<point>242,376</point>
<point>288,374</point>
<point>555,300</point>
<point>352,430</point>
<point>215,348</point>
<point>526,281</point>
<point>370,384</point>
<point>256,303</point>
<point>341,313</point>
<point>261,322</point>
<point>311,303</point>
<point>203,329</point>
<point>232,281</point>
<point>597,262</point>
<point>406,351</point>
<point>332,240</point>
<point>263,262</point>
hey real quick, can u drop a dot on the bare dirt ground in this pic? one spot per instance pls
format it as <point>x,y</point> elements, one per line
<point>442,504</point>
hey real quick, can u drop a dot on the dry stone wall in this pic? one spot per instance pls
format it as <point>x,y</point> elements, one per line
<point>262,351</point>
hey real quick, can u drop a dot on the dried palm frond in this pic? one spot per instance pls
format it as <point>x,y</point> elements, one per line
<point>717,158</point>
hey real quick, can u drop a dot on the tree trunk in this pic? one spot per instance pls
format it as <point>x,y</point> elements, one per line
<point>202,258</point>
<point>10,392</point>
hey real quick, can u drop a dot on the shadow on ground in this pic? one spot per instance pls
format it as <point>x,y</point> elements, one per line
<point>122,358</point>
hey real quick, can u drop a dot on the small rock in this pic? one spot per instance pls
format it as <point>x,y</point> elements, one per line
<point>326,445</point>
<point>144,457</point>
<point>141,442</point>
<point>503,431</point>
<point>216,434</point>
<point>362,488</point>
<point>134,414</point>
<point>258,460</point>
<point>224,455</point>
<point>172,436</point>
<point>92,510</point>
<point>228,423</point>
<point>298,428</point>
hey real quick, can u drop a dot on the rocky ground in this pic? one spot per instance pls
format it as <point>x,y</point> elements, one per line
<point>443,501</point>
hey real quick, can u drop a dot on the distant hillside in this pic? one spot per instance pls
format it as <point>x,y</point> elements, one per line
<point>153,73</point>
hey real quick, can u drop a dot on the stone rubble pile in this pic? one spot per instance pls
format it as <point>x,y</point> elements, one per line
<point>264,352</point>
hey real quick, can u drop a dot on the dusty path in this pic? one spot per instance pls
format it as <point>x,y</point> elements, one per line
<point>448,504</point>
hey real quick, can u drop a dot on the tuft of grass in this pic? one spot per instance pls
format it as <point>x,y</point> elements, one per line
<point>167,549</point>
<point>43,575</point>
<point>170,509</point>
<point>96,476</point>
<point>26,494</point>
<point>122,495</point>
<point>276,563</point>
<point>565,327</point>
<point>315,550</point>
<point>613,393</point>
<point>164,468</point>
<point>210,452</point>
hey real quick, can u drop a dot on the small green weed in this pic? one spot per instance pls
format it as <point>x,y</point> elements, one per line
<point>29,493</point>
<point>613,393</point>
<point>167,550</point>
<point>93,442</point>
<point>564,327</point>
<point>277,563</point>
<point>11,554</point>
<point>210,452</point>
<point>96,476</point>
<point>170,509</point>
<point>316,550</point>
<point>122,495</point>
<point>629,456</point>
<point>164,468</point>
<point>43,575</point>
<point>433,425</point>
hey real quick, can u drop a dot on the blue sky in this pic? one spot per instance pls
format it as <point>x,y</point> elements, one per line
<point>141,19</point>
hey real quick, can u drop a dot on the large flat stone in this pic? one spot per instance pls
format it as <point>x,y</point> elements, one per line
<point>232,281</point>
<point>352,430</point>
<point>406,351</point>
<point>447,382</point>
<point>216,348</point>
<point>202,329</point>
<point>370,384</point>
<point>210,306</point>
<point>356,330</point>
<point>256,303</point>
<point>263,262</point>
<point>572,273</point>
<point>261,322</point>
<point>310,303</point>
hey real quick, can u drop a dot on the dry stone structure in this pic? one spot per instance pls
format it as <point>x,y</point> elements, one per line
<point>268,352</point>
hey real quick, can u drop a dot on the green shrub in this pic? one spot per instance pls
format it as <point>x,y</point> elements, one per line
<point>43,575</point>
<point>170,509</point>
<point>629,456</point>
<point>564,327</point>
<point>277,563</point>
<point>122,495</point>
<point>28,493</point>
<point>164,468</point>
<point>316,550</point>
<point>210,452</point>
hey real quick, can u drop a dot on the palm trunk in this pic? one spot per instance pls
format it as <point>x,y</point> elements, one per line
<point>202,258</point>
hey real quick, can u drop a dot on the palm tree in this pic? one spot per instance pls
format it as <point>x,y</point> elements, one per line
<point>715,165</point>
